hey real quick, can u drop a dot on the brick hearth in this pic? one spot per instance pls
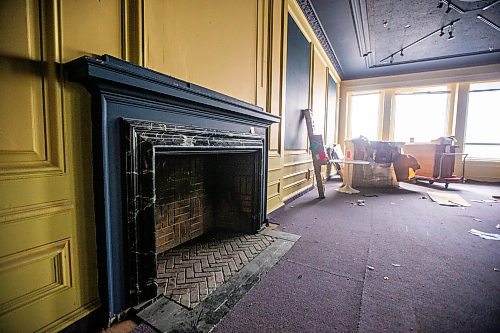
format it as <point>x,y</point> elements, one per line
<point>189,273</point>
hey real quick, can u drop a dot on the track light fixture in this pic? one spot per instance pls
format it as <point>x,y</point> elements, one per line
<point>450,6</point>
<point>488,22</point>
<point>450,32</point>
<point>449,26</point>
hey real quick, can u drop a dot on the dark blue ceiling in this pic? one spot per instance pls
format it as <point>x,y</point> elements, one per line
<point>363,34</point>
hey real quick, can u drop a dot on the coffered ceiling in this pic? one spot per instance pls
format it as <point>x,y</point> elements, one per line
<point>369,38</point>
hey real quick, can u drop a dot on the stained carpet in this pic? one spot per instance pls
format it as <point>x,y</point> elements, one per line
<point>398,264</point>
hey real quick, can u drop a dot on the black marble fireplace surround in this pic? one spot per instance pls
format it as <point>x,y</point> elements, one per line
<point>139,116</point>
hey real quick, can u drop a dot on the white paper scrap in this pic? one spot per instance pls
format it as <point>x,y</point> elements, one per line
<point>448,199</point>
<point>396,265</point>
<point>484,235</point>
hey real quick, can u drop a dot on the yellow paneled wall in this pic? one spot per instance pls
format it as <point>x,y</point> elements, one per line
<point>210,43</point>
<point>297,168</point>
<point>47,248</point>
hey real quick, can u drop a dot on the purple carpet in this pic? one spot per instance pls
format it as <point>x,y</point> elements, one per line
<point>445,281</point>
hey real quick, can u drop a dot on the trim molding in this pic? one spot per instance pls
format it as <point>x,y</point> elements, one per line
<point>360,20</point>
<point>309,12</point>
<point>37,210</point>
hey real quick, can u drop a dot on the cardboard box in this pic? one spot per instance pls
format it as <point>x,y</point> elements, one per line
<point>428,156</point>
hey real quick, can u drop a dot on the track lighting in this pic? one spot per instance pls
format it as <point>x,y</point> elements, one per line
<point>449,26</point>
<point>450,6</point>
<point>488,22</point>
<point>450,32</point>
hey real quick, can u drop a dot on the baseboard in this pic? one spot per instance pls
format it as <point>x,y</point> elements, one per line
<point>298,194</point>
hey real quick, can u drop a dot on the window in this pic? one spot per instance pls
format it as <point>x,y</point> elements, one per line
<point>421,115</point>
<point>364,116</point>
<point>482,133</point>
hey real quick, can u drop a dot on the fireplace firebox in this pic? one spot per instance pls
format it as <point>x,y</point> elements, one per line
<point>172,161</point>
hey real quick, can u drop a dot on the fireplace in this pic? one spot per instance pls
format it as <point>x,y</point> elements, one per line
<point>172,161</point>
<point>198,192</point>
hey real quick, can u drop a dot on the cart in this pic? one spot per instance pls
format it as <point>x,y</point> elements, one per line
<point>439,178</point>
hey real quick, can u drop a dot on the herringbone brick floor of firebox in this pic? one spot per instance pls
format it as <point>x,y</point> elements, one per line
<point>189,273</point>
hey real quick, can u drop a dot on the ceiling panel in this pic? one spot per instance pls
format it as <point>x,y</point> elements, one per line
<point>367,36</point>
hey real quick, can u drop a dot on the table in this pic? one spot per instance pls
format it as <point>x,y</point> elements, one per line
<point>346,187</point>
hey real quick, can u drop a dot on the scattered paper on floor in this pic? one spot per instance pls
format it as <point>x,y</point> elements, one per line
<point>448,199</point>
<point>484,235</point>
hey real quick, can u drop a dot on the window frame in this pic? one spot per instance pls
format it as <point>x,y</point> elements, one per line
<point>446,89</point>
<point>379,113</point>
<point>465,143</point>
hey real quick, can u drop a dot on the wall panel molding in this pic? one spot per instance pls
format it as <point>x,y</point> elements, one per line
<point>133,31</point>
<point>47,154</point>
<point>17,214</point>
<point>55,256</point>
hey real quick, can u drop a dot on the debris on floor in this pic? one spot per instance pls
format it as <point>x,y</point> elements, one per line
<point>360,203</point>
<point>486,201</point>
<point>370,195</point>
<point>448,199</point>
<point>422,197</point>
<point>484,235</point>
<point>396,265</point>
<point>386,278</point>
<point>496,269</point>
<point>371,268</point>
<point>477,220</point>
<point>497,226</point>
<point>393,203</point>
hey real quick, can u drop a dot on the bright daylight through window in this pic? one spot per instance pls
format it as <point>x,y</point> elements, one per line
<point>364,115</point>
<point>421,115</point>
<point>482,135</point>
